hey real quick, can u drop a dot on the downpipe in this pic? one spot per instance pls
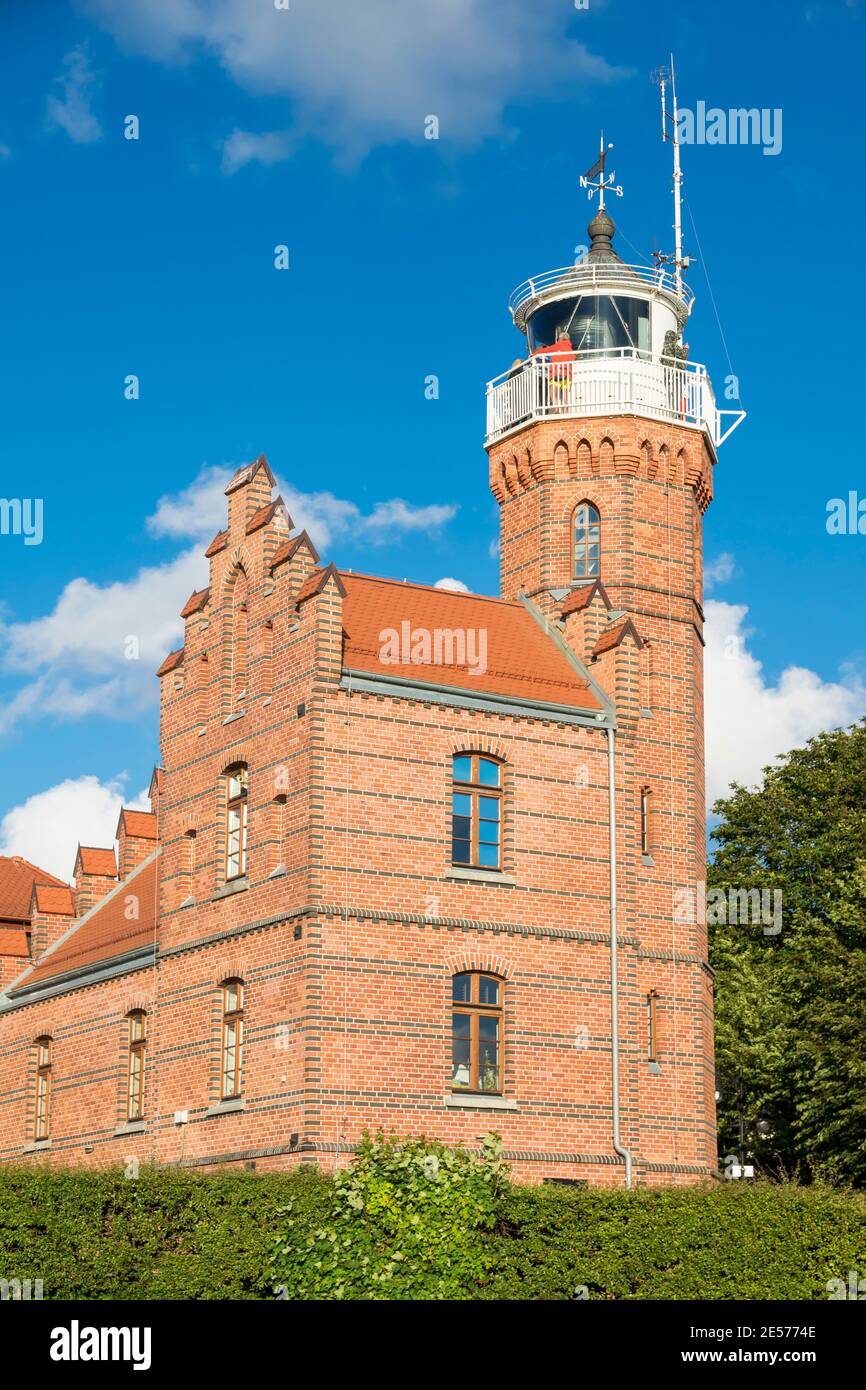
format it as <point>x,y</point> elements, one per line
<point>614,965</point>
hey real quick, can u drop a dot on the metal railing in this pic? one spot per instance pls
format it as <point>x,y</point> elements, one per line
<point>590,275</point>
<point>606,381</point>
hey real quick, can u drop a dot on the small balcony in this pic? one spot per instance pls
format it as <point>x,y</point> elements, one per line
<point>606,381</point>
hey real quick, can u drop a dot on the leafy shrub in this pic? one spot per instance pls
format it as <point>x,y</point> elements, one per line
<point>407,1220</point>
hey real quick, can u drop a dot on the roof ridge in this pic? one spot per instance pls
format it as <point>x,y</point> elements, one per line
<point>430,588</point>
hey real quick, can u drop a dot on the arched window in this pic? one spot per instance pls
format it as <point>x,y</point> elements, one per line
<point>232,1042</point>
<point>137,1042</point>
<point>476,1032</point>
<point>236,783</point>
<point>42,1115</point>
<point>587,541</point>
<point>476,811</point>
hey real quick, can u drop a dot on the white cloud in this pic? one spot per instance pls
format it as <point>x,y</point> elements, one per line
<point>199,511</point>
<point>245,147</point>
<point>48,827</point>
<point>456,585</point>
<point>361,74</point>
<point>72,112</point>
<point>748,721</point>
<point>719,570</point>
<point>97,650</point>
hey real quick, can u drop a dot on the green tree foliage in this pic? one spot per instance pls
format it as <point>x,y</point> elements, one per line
<point>407,1221</point>
<point>791,1009</point>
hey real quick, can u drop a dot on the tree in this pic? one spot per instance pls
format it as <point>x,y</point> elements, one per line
<point>791,1008</point>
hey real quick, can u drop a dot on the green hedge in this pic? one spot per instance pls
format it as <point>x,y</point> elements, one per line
<point>183,1235</point>
<point>739,1241</point>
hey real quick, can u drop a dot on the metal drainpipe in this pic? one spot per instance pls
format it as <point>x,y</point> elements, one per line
<point>614,963</point>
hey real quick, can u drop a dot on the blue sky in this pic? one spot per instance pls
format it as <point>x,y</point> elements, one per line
<point>305,127</point>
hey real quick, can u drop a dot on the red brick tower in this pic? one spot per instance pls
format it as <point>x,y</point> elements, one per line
<point>601,446</point>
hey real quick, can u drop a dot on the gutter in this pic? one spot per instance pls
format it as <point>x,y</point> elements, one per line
<point>614,967</point>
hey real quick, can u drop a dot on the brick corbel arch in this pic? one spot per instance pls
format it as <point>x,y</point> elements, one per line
<point>485,962</point>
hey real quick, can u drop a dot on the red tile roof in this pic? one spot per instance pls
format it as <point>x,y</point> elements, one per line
<point>581,598</point>
<point>266,514</point>
<point>218,543</point>
<point>522,659</point>
<point>17,877</point>
<point>614,635</point>
<point>13,942</point>
<point>195,603</point>
<point>173,660</point>
<point>285,551</point>
<point>60,902</point>
<point>95,861</point>
<point>106,931</point>
<point>141,825</point>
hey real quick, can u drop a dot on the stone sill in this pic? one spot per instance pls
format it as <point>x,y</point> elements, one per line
<point>37,1146</point>
<point>132,1127</point>
<point>469,1101</point>
<point>230,718</point>
<point>234,885</point>
<point>226,1107</point>
<point>481,876</point>
<point>648,860</point>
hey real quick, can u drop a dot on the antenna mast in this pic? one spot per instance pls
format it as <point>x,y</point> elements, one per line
<point>663,76</point>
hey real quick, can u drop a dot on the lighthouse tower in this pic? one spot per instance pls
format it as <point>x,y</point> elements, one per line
<point>602,439</point>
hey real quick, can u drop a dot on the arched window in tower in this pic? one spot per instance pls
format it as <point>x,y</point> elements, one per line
<point>587,541</point>
<point>237,789</point>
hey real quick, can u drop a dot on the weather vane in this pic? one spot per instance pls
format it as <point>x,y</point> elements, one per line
<point>595,180</point>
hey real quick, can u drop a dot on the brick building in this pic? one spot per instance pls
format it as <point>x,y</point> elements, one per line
<point>393,825</point>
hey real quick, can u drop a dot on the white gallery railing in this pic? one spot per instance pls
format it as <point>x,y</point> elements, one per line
<point>603,382</point>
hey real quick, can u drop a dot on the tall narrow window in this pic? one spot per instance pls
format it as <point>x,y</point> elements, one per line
<point>587,541</point>
<point>236,822</point>
<point>232,1039</point>
<point>476,811</point>
<point>645,821</point>
<point>476,1033</point>
<point>135,1082</point>
<point>651,1039</point>
<point>42,1117</point>
<point>236,632</point>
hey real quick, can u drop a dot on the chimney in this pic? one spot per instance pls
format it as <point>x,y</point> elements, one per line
<point>52,912</point>
<point>95,875</point>
<point>136,839</point>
